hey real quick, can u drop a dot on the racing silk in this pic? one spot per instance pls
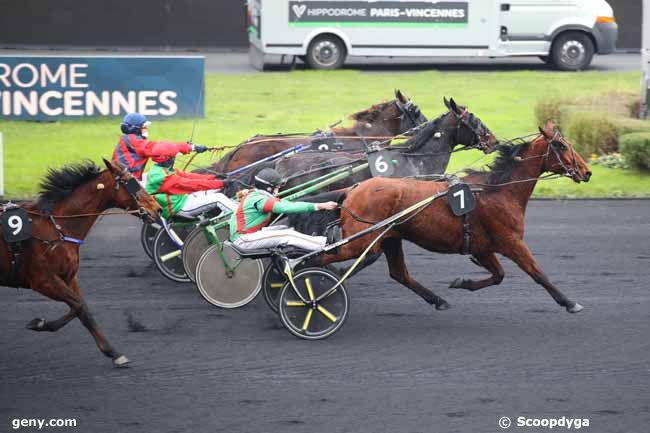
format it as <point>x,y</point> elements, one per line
<point>256,210</point>
<point>170,187</point>
<point>134,152</point>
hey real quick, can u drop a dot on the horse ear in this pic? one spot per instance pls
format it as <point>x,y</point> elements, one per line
<point>400,96</point>
<point>543,132</point>
<point>454,106</point>
<point>549,125</point>
<point>446,103</point>
<point>109,165</point>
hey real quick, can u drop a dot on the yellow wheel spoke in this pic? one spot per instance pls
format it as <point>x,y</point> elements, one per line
<point>309,289</point>
<point>276,285</point>
<point>295,304</point>
<point>326,313</point>
<point>305,324</point>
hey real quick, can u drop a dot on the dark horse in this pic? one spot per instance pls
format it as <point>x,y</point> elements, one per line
<point>386,119</point>
<point>496,224</point>
<point>426,153</point>
<point>70,202</point>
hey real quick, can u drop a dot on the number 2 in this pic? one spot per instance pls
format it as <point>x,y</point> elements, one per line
<point>461,193</point>
<point>15,222</point>
<point>381,166</point>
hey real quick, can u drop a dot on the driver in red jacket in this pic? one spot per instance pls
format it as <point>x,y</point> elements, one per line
<point>134,149</point>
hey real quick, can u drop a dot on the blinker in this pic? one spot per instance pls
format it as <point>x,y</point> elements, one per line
<point>132,186</point>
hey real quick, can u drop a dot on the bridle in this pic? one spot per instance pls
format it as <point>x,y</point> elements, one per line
<point>555,144</point>
<point>133,188</point>
<point>410,113</point>
<point>481,133</point>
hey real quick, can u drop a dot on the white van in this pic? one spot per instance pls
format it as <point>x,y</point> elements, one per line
<point>323,33</point>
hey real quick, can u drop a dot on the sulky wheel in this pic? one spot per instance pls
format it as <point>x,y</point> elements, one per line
<point>273,282</point>
<point>195,245</point>
<point>325,310</point>
<point>167,256</point>
<point>225,280</point>
<point>147,236</point>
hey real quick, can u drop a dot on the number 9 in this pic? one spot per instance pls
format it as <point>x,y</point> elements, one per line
<point>15,222</point>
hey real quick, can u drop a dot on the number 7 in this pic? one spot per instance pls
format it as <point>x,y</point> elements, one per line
<point>461,193</point>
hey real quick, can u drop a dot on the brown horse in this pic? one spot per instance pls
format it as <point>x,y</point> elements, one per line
<point>71,200</point>
<point>386,119</point>
<point>496,225</point>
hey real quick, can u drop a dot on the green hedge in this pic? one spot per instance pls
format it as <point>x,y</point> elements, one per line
<point>636,149</point>
<point>592,133</point>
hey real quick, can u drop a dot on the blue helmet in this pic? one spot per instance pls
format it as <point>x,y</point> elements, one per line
<point>133,123</point>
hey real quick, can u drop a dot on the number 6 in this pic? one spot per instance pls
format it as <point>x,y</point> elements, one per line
<point>381,166</point>
<point>15,222</point>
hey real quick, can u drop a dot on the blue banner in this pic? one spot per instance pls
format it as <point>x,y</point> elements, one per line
<point>51,88</point>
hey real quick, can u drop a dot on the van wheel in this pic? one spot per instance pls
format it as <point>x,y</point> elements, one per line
<point>326,52</point>
<point>572,51</point>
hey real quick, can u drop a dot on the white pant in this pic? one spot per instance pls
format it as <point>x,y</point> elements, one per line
<point>201,201</point>
<point>270,237</point>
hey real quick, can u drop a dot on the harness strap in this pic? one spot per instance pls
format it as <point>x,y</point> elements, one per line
<point>467,236</point>
<point>16,253</point>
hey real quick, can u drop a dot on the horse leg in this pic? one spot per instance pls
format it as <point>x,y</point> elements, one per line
<point>395,256</point>
<point>40,325</point>
<point>521,255</point>
<point>490,262</point>
<point>88,321</point>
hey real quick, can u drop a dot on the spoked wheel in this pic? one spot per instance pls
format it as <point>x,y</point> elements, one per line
<point>272,284</point>
<point>147,236</point>
<point>225,280</point>
<point>167,256</point>
<point>195,245</point>
<point>324,311</point>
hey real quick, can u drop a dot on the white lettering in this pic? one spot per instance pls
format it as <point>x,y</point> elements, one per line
<point>101,104</point>
<point>21,102</point>
<point>59,75</point>
<point>6,103</point>
<point>5,74</point>
<point>43,103</point>
<point>167,100</point>
<point>15,75</point>
<point>121,103</point>
<point>74,75</point>
<point>71,100</point>
<point>147,102</point>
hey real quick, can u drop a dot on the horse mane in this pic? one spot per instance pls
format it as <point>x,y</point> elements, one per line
<point>59,184</point>
<point>418,140</point>
<point>500,170</point>
<point>370,114</point>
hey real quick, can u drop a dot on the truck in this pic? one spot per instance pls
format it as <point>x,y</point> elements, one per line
<point>324,33</point>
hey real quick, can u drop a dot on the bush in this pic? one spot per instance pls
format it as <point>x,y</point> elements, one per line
<point>550,108</point>
<point>635,148</point>
<point>592,133</point>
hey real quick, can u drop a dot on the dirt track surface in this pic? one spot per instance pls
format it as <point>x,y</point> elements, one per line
<point>396,366</point>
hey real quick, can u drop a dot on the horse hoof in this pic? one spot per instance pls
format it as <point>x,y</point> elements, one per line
<point>36,324</point>
<point>443,305</point>
<point>575,308</point>
<point>456,284</point>
<point>121,361</point>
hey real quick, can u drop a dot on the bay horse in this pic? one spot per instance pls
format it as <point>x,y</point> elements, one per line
<point>385,119</point>
<point>496,225</point>
<point>71,200</point>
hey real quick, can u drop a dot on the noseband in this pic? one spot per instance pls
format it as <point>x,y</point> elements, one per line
<point>481,135</point>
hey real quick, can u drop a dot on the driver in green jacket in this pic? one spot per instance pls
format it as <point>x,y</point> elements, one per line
<point>256,210</point>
